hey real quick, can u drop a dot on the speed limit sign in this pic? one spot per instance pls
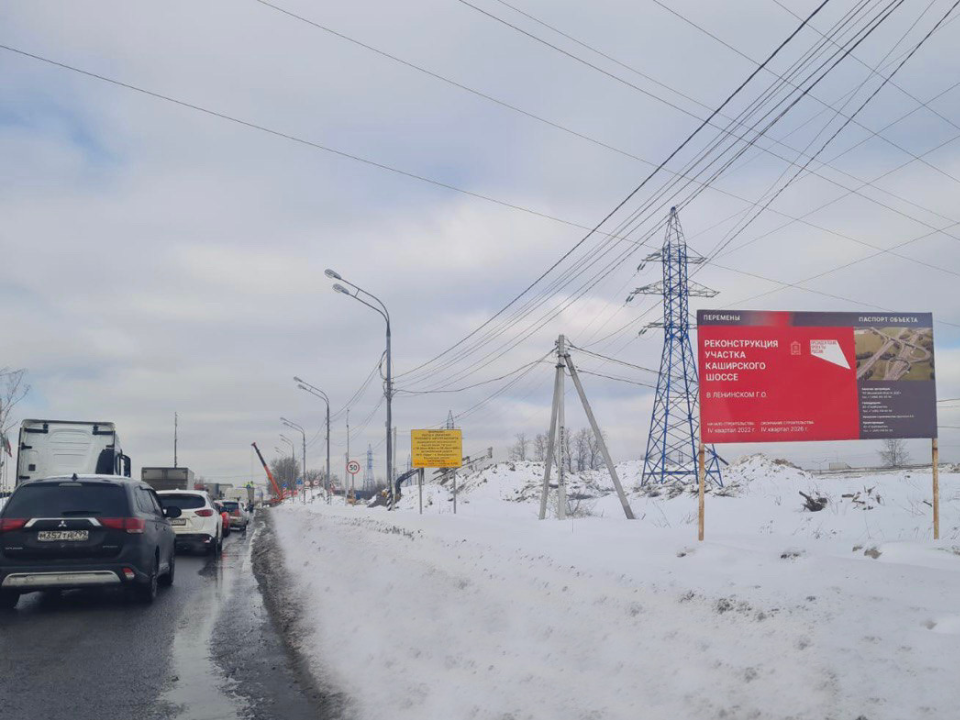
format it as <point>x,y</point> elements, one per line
<point>353,467</point>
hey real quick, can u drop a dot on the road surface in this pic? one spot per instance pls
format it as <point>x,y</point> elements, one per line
<point>206,649</point>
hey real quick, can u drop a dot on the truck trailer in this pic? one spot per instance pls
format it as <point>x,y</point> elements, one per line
<point>49,448</point>
<point>167,478</point>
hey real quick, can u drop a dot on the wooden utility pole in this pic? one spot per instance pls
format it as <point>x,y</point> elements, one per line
<point>936,490</point>
<point>702,481</point>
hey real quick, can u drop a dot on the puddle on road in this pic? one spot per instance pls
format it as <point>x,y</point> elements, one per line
<point>200,692</point>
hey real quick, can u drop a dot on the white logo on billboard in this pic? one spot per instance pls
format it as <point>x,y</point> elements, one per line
<point>830,351</point>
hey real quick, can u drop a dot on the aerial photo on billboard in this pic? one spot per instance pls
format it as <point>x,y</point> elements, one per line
<point>789,376</point>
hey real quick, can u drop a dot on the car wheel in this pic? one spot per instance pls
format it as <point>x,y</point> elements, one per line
<point>167,580</point>
<point>8,600</point>
<point>147,592</point>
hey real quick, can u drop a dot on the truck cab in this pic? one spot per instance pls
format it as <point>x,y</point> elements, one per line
<point>53,448</point>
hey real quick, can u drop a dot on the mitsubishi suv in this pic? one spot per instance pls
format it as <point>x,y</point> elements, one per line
<point>84,531</point>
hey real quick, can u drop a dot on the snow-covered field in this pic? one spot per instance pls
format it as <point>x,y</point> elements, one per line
<point>782,613</point>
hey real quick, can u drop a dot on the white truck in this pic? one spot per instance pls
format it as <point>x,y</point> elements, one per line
<point>62,447</point>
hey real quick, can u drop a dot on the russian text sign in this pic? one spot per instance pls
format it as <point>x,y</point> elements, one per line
<point>436,448</point>
<point>789,376</point>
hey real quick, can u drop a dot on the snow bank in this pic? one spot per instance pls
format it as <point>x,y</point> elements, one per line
<point>782,613</point>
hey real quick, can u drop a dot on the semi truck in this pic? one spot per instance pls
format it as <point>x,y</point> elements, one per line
<point>49,448</point>
<point>167,478</point>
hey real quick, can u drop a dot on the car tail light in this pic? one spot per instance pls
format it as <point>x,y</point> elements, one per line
<point>134,526</point>
<point>129,574</point>
<point>205,512</point>
<point>11,524</point>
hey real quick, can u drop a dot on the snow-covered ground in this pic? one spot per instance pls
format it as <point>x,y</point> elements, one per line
<point>782,613</point>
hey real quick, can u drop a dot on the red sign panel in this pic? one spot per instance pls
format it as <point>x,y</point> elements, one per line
<point>784,376</point>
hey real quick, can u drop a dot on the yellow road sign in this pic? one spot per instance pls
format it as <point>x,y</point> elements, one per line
<point>436,448</point>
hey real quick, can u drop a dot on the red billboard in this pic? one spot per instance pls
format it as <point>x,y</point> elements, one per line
<point>789,376</point>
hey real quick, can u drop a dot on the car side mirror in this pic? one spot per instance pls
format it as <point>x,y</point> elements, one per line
<point>172,512</point>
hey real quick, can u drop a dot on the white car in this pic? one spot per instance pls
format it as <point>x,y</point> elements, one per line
<point>200,526</point>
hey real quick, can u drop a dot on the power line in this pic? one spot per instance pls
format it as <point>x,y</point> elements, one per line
<point>655,97</point>
<point>478,384</point>
<point>676,151</point>
<point>869,30</point>
<point>292,138</point>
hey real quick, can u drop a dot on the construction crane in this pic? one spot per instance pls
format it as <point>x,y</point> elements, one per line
<point>276,488</point>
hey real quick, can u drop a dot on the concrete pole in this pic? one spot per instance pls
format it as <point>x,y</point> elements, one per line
<point>389,391</point>
<point>328,449</point>
<point>603,445</point>
<point>551,442</point>
<point>561,434</point>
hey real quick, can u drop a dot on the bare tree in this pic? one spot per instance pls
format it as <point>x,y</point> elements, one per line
<point>894,453</point>
<point>13,389</point>
<point>581,449</point>
<point>540,445</point>
<point>567,454</point>
<point>595,456</point>
<point>285,470</point>
<point>521,447</point>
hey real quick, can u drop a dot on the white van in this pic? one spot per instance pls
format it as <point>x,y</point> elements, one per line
<point>52,448</point>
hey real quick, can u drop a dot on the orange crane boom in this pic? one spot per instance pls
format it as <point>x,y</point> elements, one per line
<point>276,488</point>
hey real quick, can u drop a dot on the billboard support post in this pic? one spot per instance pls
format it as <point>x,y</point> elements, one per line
<point>454,491</point>
<point>420,488</point>
<point>701,475</point>
<point>936,490</point>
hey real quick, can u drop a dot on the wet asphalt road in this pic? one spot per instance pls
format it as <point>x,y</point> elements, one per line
<point>206,649</point>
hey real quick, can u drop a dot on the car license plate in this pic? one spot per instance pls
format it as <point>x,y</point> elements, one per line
<point>178,521</point>
<point>63,535</point>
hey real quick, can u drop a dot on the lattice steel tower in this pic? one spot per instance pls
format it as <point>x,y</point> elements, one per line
<point>674,438</point>
<point>368,481</point>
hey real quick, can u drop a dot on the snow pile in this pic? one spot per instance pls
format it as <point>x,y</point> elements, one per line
<point>781,613</point>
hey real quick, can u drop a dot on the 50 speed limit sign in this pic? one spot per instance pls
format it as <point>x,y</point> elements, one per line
<point>353,467</point>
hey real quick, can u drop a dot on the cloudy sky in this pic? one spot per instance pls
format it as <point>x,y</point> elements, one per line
<point>161,257</point>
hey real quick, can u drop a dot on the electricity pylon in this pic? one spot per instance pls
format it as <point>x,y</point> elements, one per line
<point>674,438</point>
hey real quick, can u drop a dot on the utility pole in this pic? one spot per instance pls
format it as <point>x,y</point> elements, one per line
<point>553,454</point>
<point>175,422</point>
<point>347,461</point>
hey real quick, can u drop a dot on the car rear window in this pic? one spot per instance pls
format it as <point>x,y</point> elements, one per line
<point>184,502</point>
<point>230,506</point>
<point>67,500</point>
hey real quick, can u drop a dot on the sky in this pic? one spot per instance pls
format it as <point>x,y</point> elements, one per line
<point>168,255</point>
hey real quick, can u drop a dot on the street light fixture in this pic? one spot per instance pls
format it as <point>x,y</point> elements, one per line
<point>303,432</point>
<point>388,388</point>
<point>317,392</point>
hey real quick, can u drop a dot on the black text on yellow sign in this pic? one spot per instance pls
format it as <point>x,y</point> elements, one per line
<point>436,448</point>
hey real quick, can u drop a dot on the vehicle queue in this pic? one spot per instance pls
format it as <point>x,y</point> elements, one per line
<point>77,519</point>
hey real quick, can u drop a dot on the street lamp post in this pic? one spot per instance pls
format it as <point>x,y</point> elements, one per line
<point>303,432</point>
<point>388,390</point>
<point>293,453</point>
<point>317,392</point>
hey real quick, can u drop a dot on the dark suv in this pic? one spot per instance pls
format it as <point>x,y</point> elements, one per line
<point>87,531</point>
